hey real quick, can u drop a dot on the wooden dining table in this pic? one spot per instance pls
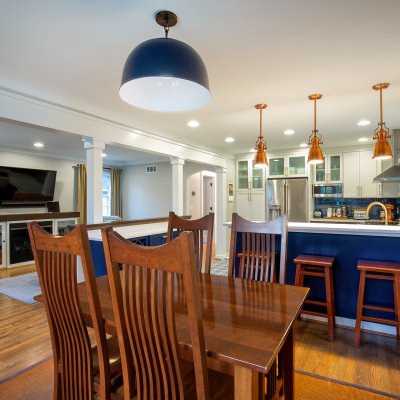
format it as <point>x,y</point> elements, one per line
<point>246,324</point>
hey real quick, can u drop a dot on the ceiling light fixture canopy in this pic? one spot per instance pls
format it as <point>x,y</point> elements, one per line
<point>315,155</point>
<point>382,150</point>
<point>260,159</point>
<point>165,74</point>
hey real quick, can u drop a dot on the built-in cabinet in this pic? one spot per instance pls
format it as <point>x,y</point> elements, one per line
<point>3,254</point>
<point>359,171</point>
<point>15,248</point>
<point>250,195</point>
<point>330,171</point>
<point>283,166</point>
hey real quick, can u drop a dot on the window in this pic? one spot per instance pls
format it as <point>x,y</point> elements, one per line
<point>106,193</point>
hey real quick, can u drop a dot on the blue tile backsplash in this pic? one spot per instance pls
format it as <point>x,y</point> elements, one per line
<point>323,204</point>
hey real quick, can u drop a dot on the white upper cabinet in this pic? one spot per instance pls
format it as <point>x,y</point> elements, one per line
<point>248,177</point>
<point>287,166</point>
<point>359,171</point>
<point>330,171</point>
<point>250,191</point>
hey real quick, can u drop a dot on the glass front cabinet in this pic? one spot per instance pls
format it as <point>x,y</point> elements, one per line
<point>330,170</point>
<point>249,178</point>
<point>287,166</point>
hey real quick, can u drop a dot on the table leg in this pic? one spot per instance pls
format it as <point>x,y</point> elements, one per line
<point>287,353</point>
<point>248,384</point>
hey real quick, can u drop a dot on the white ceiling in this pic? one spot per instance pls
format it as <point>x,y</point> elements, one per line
<point>277,52</point>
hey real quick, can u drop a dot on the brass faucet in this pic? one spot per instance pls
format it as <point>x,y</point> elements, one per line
<point>378,203</point>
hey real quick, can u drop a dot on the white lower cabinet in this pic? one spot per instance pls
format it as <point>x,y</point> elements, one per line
<point>359,170</point>
<point>3,247</point>
<point>251,205</point>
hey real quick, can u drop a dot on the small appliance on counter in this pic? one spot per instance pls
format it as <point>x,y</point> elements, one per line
<point>329,212</point>
<point>317,213</point>
<point>360,213</point>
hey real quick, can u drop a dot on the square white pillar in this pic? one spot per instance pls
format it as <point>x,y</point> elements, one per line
<point>177,185</point>
<point>94,179</point>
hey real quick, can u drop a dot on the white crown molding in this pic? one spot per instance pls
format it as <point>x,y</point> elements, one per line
<point>31,110</point>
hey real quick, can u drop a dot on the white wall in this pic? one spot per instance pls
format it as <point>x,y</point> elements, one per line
<point>64,190</point>
<point>146,195</point>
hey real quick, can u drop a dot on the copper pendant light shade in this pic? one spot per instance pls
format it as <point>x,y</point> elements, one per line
<point>315,155</point>
<point>260,159</point>
<point>382,150</point>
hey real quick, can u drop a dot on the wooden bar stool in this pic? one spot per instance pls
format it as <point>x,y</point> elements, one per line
<point>320,266</point>
<point>378,270</point>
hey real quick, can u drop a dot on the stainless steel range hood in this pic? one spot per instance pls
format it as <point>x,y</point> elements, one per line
<point>392,174</point>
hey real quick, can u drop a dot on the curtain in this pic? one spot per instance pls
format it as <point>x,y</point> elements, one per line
<point>82,199</point>
<point>116,201</point>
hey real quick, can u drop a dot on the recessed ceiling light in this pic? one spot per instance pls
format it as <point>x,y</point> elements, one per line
<point>363,122</point>
<point>253,150</point>
<point>288,132</point>
<point>103,154</point>
<point>363,139</point>
<point>38,144</point>
<point>303,145</point>
<point>229,139</point>
<point>193,123</point>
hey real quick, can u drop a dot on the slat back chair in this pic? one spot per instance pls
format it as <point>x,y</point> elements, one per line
<point>56,265</point>
<point>257,253</point>
<point>143,301</point>
<point>198,227</point>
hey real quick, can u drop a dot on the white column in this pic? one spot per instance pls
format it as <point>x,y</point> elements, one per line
<point>177,185</point>
<point>220,217</point>
<point>94,169</point>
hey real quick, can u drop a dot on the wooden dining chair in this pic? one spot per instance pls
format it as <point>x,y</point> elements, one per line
<point>143,297</point>
<point>176,225</point>
<point>254,248</point>
<point>80,368</point>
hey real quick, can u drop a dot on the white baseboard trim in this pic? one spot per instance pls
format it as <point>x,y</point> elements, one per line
<point>350,323</point>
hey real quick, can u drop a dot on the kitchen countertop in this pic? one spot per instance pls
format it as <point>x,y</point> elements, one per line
<point>133,231</point>
<point>342,229</point>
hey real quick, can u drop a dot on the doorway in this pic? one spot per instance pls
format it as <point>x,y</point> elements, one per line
<point>208,194</point>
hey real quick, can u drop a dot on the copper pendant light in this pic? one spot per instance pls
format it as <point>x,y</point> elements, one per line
<point>260,159</point>
<point>382,150</point>
<point>315,155</point>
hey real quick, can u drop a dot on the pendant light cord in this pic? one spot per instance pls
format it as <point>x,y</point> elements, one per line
<point>315,115</point>
<point>261,124</point>
<point>381,108</point>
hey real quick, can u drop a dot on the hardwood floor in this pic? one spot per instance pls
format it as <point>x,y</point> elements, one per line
<point>24,336</point>
<point>374,365</point>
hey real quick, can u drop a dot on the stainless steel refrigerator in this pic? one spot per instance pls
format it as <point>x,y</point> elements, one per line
<point>287,196</point>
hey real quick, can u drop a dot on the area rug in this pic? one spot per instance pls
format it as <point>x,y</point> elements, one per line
<point>22,287</point>
<point>220,267</point>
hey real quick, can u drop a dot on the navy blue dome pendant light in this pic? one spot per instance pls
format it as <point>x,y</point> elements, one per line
<point>165,74</point>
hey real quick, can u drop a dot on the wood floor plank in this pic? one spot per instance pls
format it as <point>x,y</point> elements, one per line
<point>375,364</point>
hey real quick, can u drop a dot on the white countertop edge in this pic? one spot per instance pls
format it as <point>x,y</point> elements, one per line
<point>134,231</point>
<point>345,229</point>
<point>342,229</point>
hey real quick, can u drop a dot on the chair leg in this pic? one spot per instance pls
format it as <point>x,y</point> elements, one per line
<point>396,291</point>
<point>297,278</point>
<point>329,306</point>
<point>360,304</point>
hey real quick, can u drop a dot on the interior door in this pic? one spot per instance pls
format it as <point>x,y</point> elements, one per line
<point>209,195</point>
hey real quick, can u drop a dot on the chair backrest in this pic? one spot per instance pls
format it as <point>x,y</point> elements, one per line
<point>198,227</point>
<point>253,249</point>
<point>56,265</point>
<point>143,302</point>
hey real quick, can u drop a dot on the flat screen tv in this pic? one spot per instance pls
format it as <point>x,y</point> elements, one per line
<point>26,185</point>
